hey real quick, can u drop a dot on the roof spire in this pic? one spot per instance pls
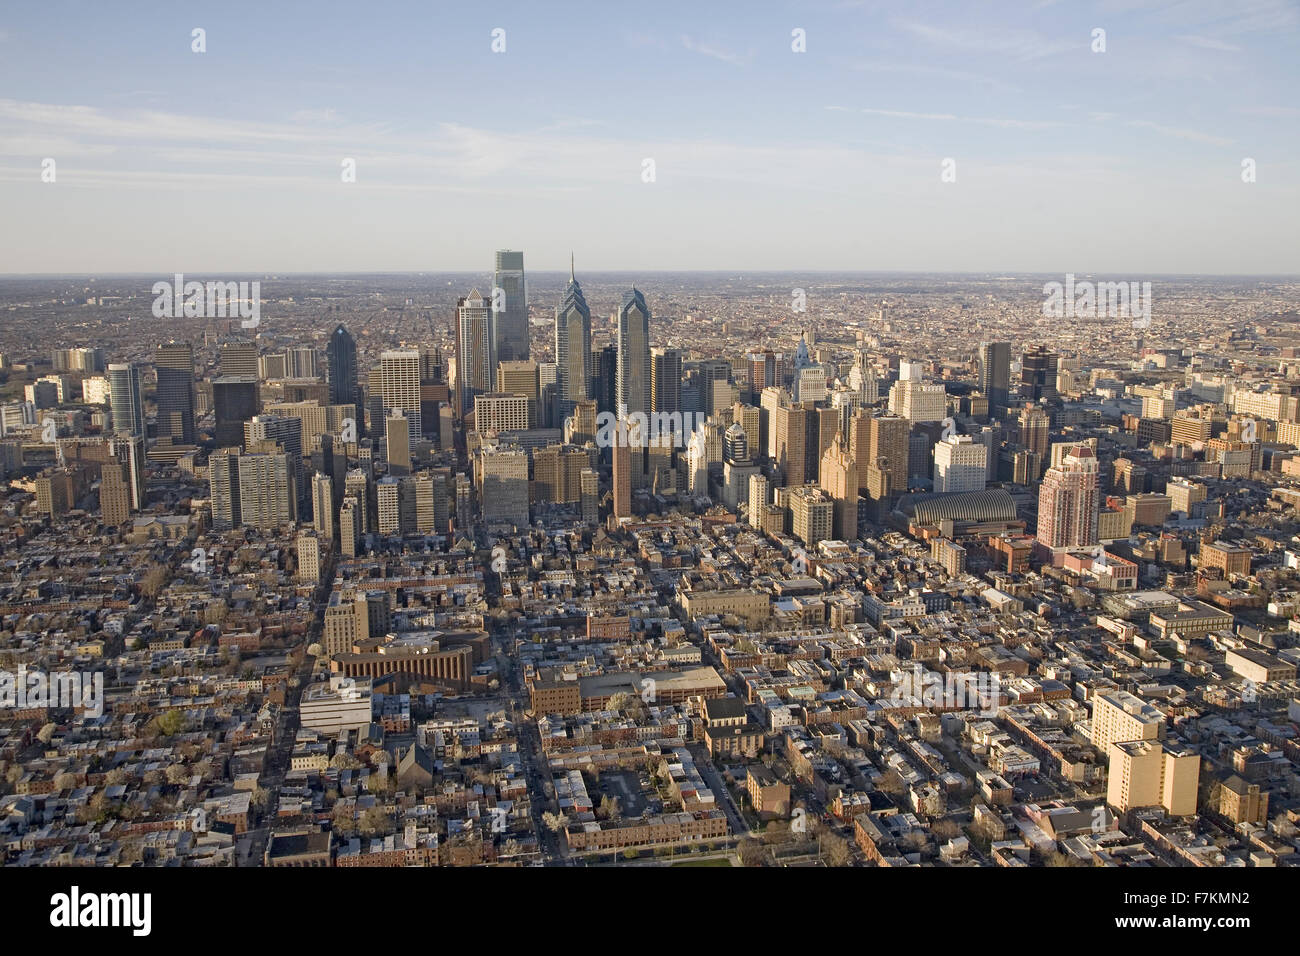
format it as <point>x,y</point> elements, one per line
<point>570,265</point>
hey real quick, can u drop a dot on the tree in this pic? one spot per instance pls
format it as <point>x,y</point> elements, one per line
<point>945,829</point>
<point>836,850</point>
<point>751,852</point>
<point>46,734</point>
<point>890,782</point>
<point>555,822</point>
<point>177,774</point>
<point>153,581</point>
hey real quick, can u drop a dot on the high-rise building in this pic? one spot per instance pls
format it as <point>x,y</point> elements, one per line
<point>888,441</point>
<point>126,399</point>
<point>114,494</point>
<point>498,411</point>
<point>129,451</point>
<point>1068,502</point>
<point>174,362</point>
<point>960,464</point>
<point>309,556</point>
<point>919,401</point>
<point>301,361</point>
<point>510,320</point>
<point>475,359</point>
<point>351,525</point>
<point>520,378</point>
<point>622,473</point>
<point>223,484</point>
<point>757,500</point>
<point>590,492</point>
<point>995,373</point>
<point>503,490</point>
<point>1035,426</point>
<point>812,514</point>
<point>839,479</point>
<point>798,442</point>
<point>341,353</point>
<point>238,356</point>
<point>399,385</point>
<point>267,495</point>
<point>322,504</point>
<point>666,380</point>
<point>634,369</point>
<point>397,437</point>
<point>234,402</point>
<point>573,346</point>
<point>1038,368</point>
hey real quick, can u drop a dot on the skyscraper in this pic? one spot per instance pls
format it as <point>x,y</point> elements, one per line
<point>1068,502</point>
<point>510,323</point>
<point>342,372</point>
<point>234,401</point>
<point>125,399</point>
<point>960,464</point>
<point>1038,374</point>
<point>887,439</point>
<point>175,366</point>
<point>238,356</point>
<point>399,384</point>
<point>995,373</point>
<point>622,473</point>
<point>634,354</point>
<point>572,346</point>
<point>223,482</point>
<point>475,363</point>
<point>666,380</point>
<point>397,439</point>
<point>839,479</point>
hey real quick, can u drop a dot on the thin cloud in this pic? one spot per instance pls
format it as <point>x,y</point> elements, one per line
<point>1194,135</point>
<point>1209,43</point>
<point>705,49</point>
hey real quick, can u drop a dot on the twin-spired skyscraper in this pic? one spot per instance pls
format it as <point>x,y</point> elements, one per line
<point>572,346</point>
<point>634,354</point>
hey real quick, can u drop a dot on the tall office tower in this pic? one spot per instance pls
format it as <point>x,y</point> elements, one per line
<point>175,365</point>
<point>1034,430</point>
<point>860,445</point>
<point>430,502</point>
<point>863,382</point>
<point>995,374</point>
<point>399,385</point>
<point>497,412</point>
<point>590,484</point>
<point>234,402</point>
<point>1038,369</point>
<point>622,474</point>
<point>918,401</point>
<point>764,370</point>
<point>810,384</point>
<point>358,485</point>
<point>475,361</point>
<point>272,366</point>
<point>521,378</point>
<point>573,347</point>
<point>510,322</point>
<point>322,504</point>
<point>989,439</point>
<point>735,445</point>
<point>126,399</point>
<point>266,433</point>
<point>301,361</point>
<point>580,427</point>
<point>839,479</point>
<point>129,452</point>
<point>634,372</point>
<point>770,399</point>
<point>431,366</point>
<point>309,556</point>
<point>114,494</point>
<point>757,500</point>
<point>341,354</point>
<point>812,514</point>
<point>223,485</point>
<point>749,417</point>
<point>666,380</point>
<point>350,525</point>
<point>388,496</point>
<point>888,440</point>
<point>238,356</point>
<point>604,378</point>
<point>504,486</point>
<point>397,435</point>
<point>1069,501</point>
<point>960,464</point>
<point>798,443</point>
<point>267,496</point>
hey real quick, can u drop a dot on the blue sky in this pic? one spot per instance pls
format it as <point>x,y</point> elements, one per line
<point>1066,160</point>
